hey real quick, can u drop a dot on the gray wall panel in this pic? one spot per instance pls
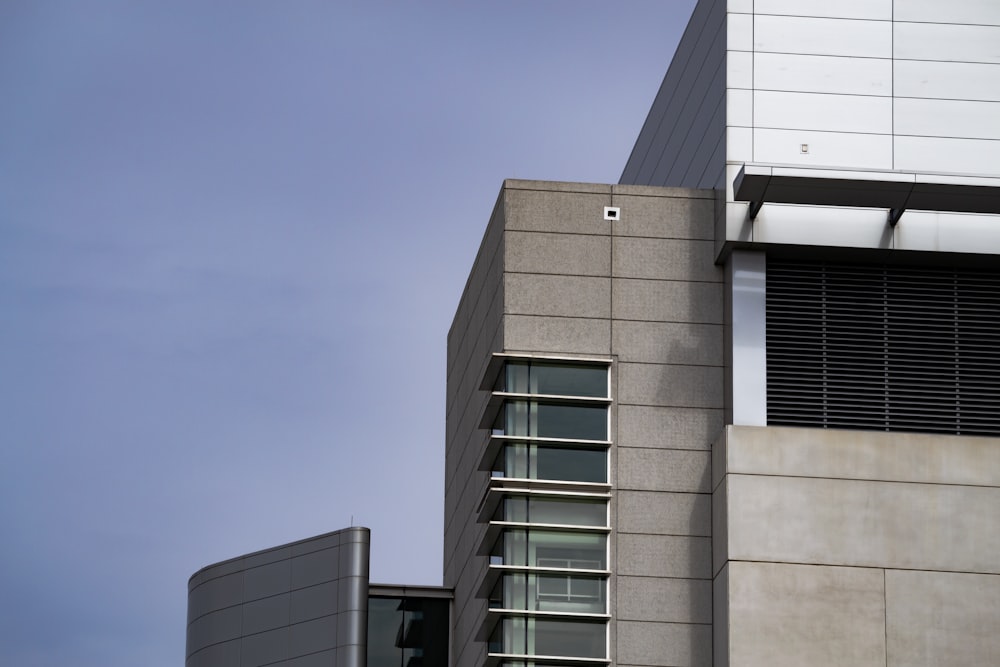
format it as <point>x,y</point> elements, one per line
<point>659,512</point>
<point>941,618</point>
<point>664,644</point>
<point>679,77</point>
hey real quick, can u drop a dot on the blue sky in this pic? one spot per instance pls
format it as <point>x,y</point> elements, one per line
<point>232,238</point>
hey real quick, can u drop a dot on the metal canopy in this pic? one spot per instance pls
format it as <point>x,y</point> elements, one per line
<point>896,191</point>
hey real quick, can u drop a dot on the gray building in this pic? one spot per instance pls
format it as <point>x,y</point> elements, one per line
<point>743,408</point>
<point>794,297</point>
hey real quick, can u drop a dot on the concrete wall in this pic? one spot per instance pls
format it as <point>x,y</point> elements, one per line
<point>302,604</point>
<point>475,333</point>
<point>835,547</point>
<point>644,292</point>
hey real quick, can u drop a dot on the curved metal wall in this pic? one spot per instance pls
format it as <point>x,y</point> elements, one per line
<point>304,603</point>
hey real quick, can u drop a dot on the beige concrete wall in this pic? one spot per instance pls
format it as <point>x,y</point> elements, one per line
<point>836,547</point>
<point>642,291</point>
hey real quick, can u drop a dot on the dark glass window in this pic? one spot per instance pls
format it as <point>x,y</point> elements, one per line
<point>556,379</point>
<point>544,509</point>
<point>555,420</point>
<point>567,464</point>
<point>547,548</point>
<point>550,637</point>
<point>407,632</point>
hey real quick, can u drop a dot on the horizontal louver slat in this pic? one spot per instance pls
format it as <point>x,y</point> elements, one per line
<point>883,347</point>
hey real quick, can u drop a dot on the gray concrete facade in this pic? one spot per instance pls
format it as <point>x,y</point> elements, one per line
<point>303,604</point>
<point>849,547</point>
<point>553,277</point>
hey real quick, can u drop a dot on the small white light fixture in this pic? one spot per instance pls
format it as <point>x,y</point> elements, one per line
<point>612,213</point>
<point>803,148</point>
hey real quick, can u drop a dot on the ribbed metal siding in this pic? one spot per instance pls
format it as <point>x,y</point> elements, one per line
<point>883,347</point>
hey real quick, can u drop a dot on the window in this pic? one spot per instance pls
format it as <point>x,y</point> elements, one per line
<point>553,426</point>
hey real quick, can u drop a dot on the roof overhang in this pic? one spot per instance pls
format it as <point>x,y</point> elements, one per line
<point>896,191</point>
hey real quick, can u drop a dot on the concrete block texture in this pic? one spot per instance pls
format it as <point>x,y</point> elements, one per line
<point>568,212</point>
<point>667,301</point>
<point>942,618</point>
<point>564,254</point>
<point>664,600</point>
<point>664,470</point>
<point>664,644</point>
<point>562,296</point>
<point>871,455</point>
<point>665,259</point>
<point>783,615</point>
<point>863,523</point>
<point>664,556</point>
<point>570,335</point>
<point>662,513</point>
<point>670,385</point>
<point>672,428</point>
<point>673,217</point>
<point>667,342</point>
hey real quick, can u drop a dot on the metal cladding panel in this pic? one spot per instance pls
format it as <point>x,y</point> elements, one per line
<point>883,347</point>
<point>972,12</point>
<point>942,80</point>
<point>839,75</point>
<point>815,36</point>
<point>813,111</point>
<point>947,118</point>
<point>853,9</point>
<point>947,42</point>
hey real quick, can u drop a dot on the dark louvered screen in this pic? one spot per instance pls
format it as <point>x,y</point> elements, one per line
<point>883,347</point>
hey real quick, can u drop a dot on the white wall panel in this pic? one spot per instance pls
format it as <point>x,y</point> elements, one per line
<point>955,43</point>
<point>739,144</point>
<point>739,108</point>
<point>826,149</point>
<point>960,156</point>
<point>812,111</point>
<point>948,232</point>
<point>739,32</point>
<point>740,6</point>
<point>973,12</point>
<point>954,81</point>
<point>833,37</point>
<point>739,69</point>
<point>948,118</point>
<point>822,74</point>
<point>846,9</point>
<point>829,226</point>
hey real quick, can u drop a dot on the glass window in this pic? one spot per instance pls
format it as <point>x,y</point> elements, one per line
<point>407,631</point>
<point>555,420</point>
<point>544,509</point>
<point>543,548</point>
<point>569,464</point>
<point>525,377</point>
<point>571,593</point>
<point>550,637</point>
